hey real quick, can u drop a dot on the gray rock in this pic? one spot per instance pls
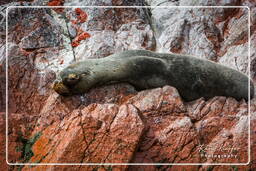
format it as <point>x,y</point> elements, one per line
<point>101,44</point>
<point>134,35</point>
<point>237,57</point>
<point>186,31</point>
<point>42,37</point>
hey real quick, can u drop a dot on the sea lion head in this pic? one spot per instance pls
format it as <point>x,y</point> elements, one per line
<point>73,80</point>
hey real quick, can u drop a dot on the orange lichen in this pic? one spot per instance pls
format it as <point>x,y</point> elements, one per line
<point>83,36</point>
<point>79,38</point>
<point>40,148</point>
<point>74,43</point>
<point>56,3</point>
<point>81,15</point>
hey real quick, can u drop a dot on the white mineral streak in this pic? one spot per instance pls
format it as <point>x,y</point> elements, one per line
<point>241,128</point>
<point>2,53</point>
<point>133,36</point>
<point>177,125</point>
<point>101,44</point>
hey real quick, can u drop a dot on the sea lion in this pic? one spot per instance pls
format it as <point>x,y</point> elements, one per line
<point>193,77</point>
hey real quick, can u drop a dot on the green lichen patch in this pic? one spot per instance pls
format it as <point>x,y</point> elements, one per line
<point>26,147</point>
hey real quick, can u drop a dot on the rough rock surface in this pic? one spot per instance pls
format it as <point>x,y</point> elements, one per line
<point>94,134</point>
<point>115,123</point>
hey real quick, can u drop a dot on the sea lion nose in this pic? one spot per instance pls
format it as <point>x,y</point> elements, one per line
<point>55,82</point>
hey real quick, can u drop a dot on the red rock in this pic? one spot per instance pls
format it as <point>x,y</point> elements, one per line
<point>19,127</point>
<point>3,164</point>
<point>95,134</point>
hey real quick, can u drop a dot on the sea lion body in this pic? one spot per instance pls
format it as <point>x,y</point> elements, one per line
<point>193,77</point>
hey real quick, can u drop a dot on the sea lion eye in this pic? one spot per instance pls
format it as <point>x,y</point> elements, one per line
<point>73,77</point>
<point>84,74</point>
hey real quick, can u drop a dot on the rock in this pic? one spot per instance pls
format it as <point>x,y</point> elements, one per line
<point>205,33</point>
<point>114,30</point>
<point>94,134</point>
<point>3,164</point>
<point>134,35</point>
<point>239,60</point>
<point>253,57</point>
<point>24,95</point>
<point>166,100</point>
<point>100,45</point>
<point>20,127</point>
<point>188,32</point>
<point>170,128</point>
<point>116,123</point>
<point>42,37</point>
<point>36,60</point>
<point>56,108</point>
<point>2,78</point>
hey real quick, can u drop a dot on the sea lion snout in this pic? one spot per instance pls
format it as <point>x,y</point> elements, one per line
<point>60,88</point>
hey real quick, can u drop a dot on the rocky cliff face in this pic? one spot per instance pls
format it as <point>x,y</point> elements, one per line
<point>116,123</point>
